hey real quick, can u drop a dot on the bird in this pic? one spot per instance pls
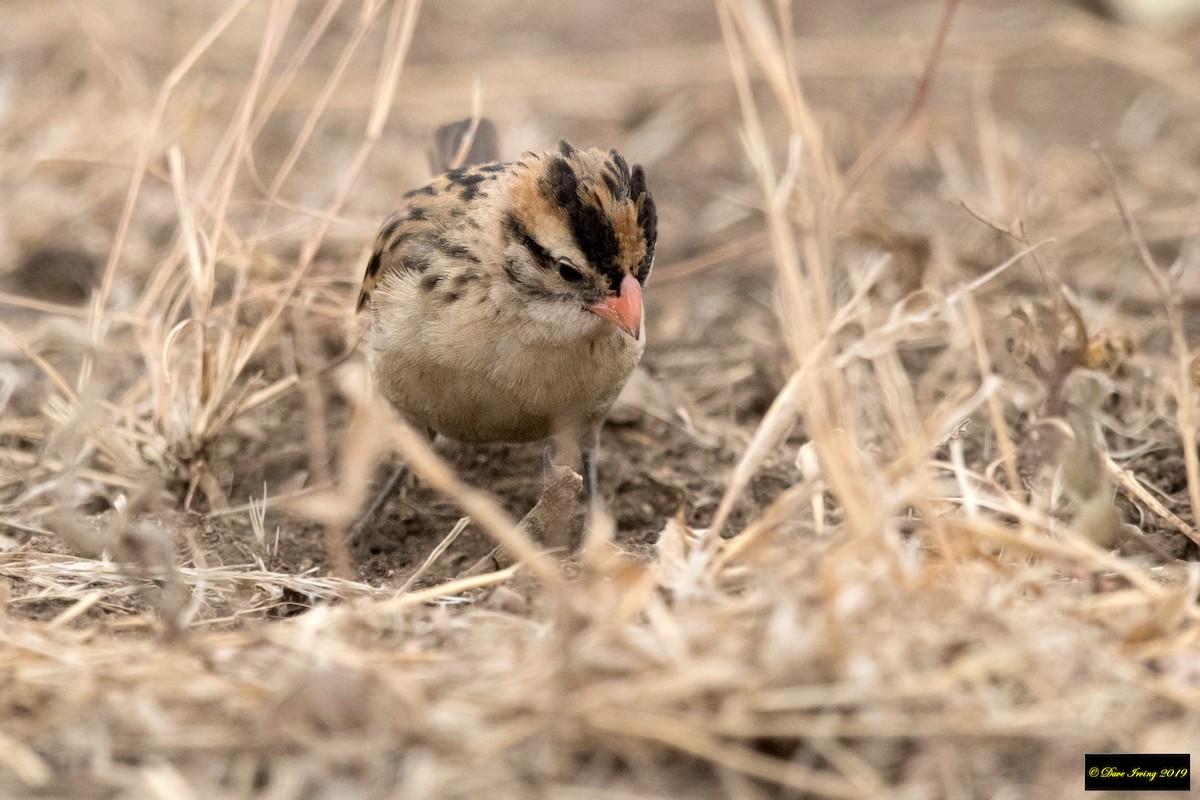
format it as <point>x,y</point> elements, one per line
<point>505,299</point>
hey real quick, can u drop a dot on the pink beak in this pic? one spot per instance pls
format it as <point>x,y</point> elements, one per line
<point>623,309</point>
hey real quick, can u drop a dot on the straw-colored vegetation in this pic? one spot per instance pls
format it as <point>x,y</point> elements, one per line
<point>902,500</point>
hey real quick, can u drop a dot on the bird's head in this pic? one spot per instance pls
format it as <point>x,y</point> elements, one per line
<point>580,229</point>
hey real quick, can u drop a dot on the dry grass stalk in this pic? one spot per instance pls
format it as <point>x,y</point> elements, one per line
<point>1185,397</point>
<point>868,158</point>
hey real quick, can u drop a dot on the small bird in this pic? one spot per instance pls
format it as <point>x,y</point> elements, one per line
<point>505,299</point>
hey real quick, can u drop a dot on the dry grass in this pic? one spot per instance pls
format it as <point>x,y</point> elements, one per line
<point>903,500</point>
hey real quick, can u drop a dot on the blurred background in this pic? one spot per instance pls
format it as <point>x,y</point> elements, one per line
<point>651,80</point>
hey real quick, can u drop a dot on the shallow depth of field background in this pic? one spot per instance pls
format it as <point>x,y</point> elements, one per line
<point>902,498</point>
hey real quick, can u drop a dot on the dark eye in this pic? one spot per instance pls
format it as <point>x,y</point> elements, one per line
<point>568,272</point>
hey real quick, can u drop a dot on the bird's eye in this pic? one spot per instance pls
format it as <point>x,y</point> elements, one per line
<point>568,272</point>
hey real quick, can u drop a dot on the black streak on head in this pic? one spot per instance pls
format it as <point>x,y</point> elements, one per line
<point>565,148</point>
<point>616,176</point>
<point>430,282</point>
<point>541,256</point>
<point>647,219</point>
<point>416,212</point>
<point>530,288</point>
<point>560,183</point>
<point>614,187</point>
<point>619,166</point>
<point>592,230</point>
<point>493,168</point>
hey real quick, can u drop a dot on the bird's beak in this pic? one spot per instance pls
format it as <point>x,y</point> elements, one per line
<point>623,309</point>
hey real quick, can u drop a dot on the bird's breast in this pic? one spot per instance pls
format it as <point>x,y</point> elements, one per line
<point>489,376</point>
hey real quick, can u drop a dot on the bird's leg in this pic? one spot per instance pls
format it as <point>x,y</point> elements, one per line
<point>590,477</point>
<point>368,517</point>
<point>401,474</point>
<point>572,447</point>
<point>590,453</point>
